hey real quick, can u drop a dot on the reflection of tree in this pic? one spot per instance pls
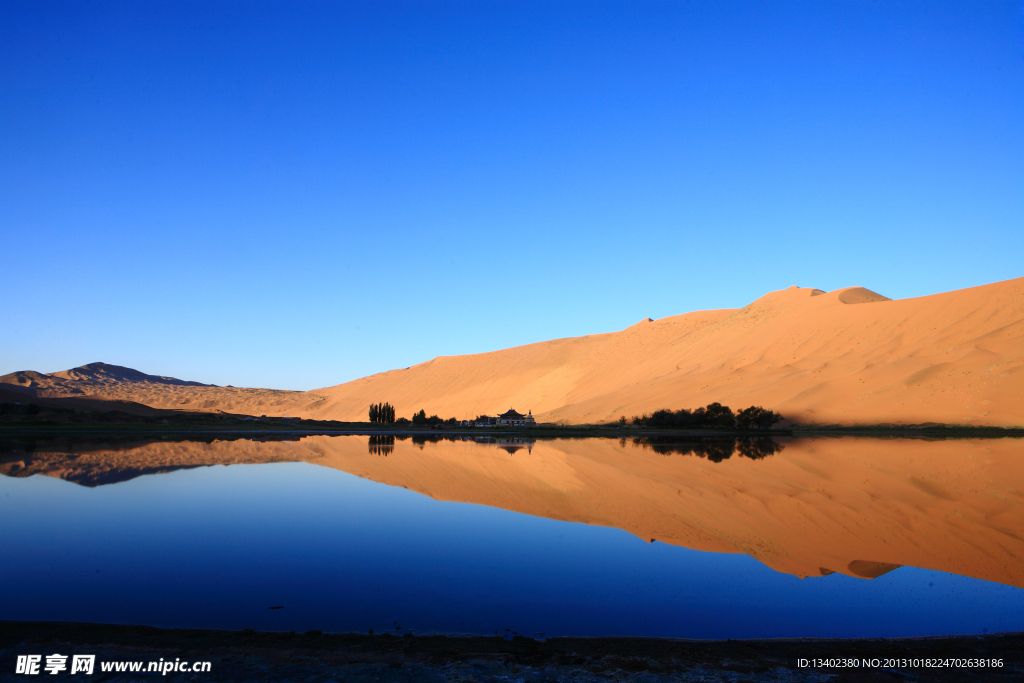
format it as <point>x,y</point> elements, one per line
<point>714,449</point>
<point>381,444</point>
<point>757,447</point>
<point>421,439</point>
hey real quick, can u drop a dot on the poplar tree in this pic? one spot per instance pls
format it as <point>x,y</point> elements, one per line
<point>382,413</point>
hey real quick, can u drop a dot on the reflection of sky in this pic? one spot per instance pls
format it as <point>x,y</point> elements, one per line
<point>216,546</point>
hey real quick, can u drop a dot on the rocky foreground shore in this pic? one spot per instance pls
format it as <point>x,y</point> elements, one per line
<point>314,656</point>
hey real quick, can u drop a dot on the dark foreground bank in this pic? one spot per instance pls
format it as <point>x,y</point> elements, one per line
<point>256,656</point>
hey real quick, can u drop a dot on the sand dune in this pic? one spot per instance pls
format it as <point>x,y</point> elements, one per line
<point>855,506</point>
<point>81,403</point>
<point>849,356</point>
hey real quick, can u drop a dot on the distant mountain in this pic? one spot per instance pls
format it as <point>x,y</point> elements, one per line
<point>92,379</point>
<point>102,373</point>
<point>128,387</point>
<point>849,356</point>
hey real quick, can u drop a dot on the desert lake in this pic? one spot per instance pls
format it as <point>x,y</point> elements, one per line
<point>830,537</point>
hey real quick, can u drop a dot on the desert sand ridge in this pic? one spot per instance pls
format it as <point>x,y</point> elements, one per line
<point>847,356</point>
<point>850,356</point>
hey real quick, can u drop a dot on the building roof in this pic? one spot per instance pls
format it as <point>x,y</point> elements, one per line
<point>512,415</point>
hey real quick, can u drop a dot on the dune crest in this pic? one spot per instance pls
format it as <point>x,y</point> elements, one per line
<point>860,295</point>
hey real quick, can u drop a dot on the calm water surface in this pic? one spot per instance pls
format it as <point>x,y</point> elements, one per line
<point>343,534</point>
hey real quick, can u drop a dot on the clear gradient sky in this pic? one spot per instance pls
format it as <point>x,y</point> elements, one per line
<point>293,195</point>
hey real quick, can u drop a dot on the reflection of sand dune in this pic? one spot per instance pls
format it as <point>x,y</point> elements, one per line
<point>858,506</point>
<point>849,505</point>
<point>86,463</point>
<point>847,356</point>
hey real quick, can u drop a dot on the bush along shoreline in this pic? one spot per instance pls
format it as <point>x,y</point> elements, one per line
<point>712,416</point>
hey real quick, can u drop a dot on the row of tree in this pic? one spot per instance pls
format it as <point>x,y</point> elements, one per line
<point>382,413</point>
<point>712,416</point>
<point>421,418</point>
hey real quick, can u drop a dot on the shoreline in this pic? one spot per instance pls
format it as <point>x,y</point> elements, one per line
<point>46,418</point>
<point>315,656</point>
<point>582,431</point>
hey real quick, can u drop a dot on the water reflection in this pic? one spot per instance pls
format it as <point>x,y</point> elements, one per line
<point>807,507</point>
<point>509,444</point>
<point>98,460</point>
<point>714,449</point>
<point>381,444</point>
<point>886,533</point>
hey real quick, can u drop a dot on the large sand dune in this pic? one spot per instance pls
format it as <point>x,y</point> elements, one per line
<point>849,356</point>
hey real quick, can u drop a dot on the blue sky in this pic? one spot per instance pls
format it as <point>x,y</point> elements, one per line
<point>294,195</point>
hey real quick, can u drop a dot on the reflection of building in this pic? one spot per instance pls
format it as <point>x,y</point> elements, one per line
<point>514,419</point>
<point>508,443</point>
<point>514,443</point>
